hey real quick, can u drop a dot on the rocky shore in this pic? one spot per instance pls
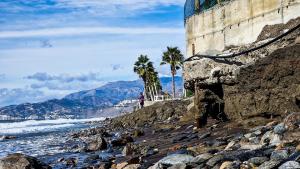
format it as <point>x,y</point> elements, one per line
<point>163,138</point>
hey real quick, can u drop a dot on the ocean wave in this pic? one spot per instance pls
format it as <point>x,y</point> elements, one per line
<point>35,126</point>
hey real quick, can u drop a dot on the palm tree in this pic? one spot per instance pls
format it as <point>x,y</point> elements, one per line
<point>174,58</point>
<point>154,81</point>
<point>146,71</point>
<point>141,67</point>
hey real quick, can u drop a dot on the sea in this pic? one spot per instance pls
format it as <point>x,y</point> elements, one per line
<point>41,138</point>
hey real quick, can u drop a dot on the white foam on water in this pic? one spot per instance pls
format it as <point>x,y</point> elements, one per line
<point>35,126</point>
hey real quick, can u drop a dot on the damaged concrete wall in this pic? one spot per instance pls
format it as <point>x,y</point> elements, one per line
<point>236,23</point>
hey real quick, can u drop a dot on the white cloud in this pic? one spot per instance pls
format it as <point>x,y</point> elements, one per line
<point>72,31</point>
<point>67,87</point>
<point>20,95</point>
<point>65,78</point>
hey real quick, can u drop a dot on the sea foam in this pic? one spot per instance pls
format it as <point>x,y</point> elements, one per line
<point>35,126</point>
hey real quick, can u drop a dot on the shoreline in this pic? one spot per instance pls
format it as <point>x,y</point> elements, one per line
<point>114,145</point>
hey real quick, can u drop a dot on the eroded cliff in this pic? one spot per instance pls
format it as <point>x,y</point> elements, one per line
<point>264,83</point>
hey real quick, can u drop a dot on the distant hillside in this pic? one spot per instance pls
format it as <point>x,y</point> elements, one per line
<point>79,104</point>
<point>109,94</point>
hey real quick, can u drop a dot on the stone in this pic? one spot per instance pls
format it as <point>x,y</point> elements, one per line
<point>121,165</point>
<point>133,166</point>
<point>265,139</point>
<point>254,140</point>
<point>297,40</point>
<point>219,143</point>
<point>249,135</point>
<point>279,155</point>
<point>258,160</point>
<point>138,133</point>
<point>71,162</point>
<point>7,137</point>
<point>128,150</point>
<point>134,160</point>
<point>272,123</point>
<point>20,161</point>
<point>275,140</point>
<point>148,151</point>
<point>279,129</point>
<point>105,165</point>
<point>226,165</point>
<point>205,135</point>
<point>230,145</point>
<point>258,132</point>
<point>235,164</point>
<point>250,146</point>
<point>202,158</point>
<point>178,166</point>
<point>122,141</point>
<point>215,160</point>
<point>271,138</point>
<point>91,132</point>
<point>159,166</point>
<point>176,159</point>
<point>179,138</point>
<point>290,165</point>
<point>97,144</point>
<point>269,164</point>
<point>292,121</point>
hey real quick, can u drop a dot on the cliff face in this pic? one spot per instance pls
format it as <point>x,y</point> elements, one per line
<point>264,83</point>
<point>268,88</point>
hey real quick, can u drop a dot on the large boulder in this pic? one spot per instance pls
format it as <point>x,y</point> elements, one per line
<point>174,159</point>
<point>97,144</point>
<point>121,141</point>
<point>21,161</point>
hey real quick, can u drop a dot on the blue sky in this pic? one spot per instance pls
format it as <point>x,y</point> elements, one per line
<point>50,48</point>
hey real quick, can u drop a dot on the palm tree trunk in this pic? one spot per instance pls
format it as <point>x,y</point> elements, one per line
<point>145,89</point>
<point>173,84</point>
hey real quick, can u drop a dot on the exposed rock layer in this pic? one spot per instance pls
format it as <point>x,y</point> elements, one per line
<point>264,83</point>
<point>270,87</point>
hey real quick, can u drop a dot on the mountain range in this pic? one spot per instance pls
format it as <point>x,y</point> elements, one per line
<point>83,103</point>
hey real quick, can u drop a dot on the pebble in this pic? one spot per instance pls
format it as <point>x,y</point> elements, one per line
<point>279,129</point>
<point>178,166</point>
<point>121,165</point>
<point>177,159</point>
<point>226,165</point>
<point>275,140</point>
<point>205,135</point>
<point>269,164</point>
<point>290,165</point>
<point>279,155</point>
<point>202,158</point>
<point>132,166</point>
<point>249,135</point>
<point>258,160</point>
<point>250,146</point>
<point>230,145</point>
